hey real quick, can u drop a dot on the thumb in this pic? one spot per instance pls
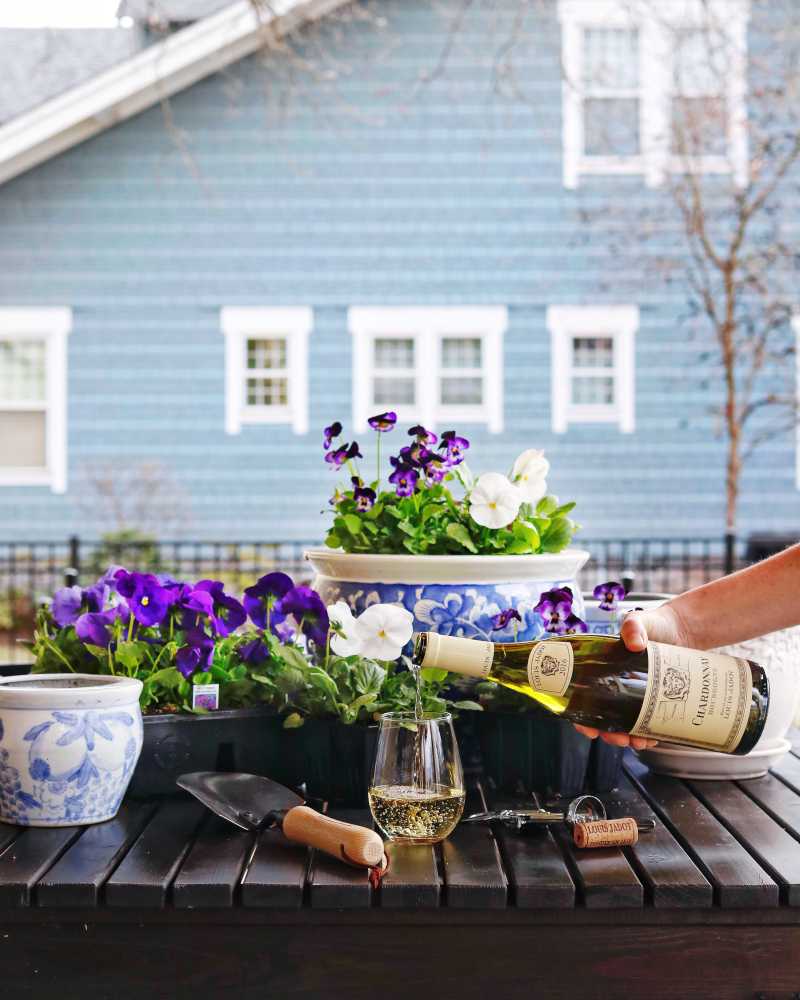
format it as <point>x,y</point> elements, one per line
<point>634,631</point>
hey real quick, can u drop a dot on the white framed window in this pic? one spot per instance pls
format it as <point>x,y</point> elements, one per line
<point>654,88</point>
<point>33,396</point>
<point>430,364</point>
<point>592,365</point>
<point>266,366</point>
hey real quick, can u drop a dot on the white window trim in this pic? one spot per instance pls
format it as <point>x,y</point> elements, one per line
<point>238,323</point>
<point>51,324</point>
<point>427,325</point>
<point>654,160</point>
<point>620,323</point>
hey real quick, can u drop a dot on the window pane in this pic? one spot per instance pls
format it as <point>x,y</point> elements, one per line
<point>394,391</point>
<point>593,352</point>
<point>266,353</point>
<point>611,126</point>
<point>22,439</point>
<point>699,126</point>
<point>461,352</point>
<point>592,389</point>
<point>464,391</point>
<point>394,352</point>
<point>611,58</point>
<point>699,63</point>
<point>22,370</point>
<point>267,392</point>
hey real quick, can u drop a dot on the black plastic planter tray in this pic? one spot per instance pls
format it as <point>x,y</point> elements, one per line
<point>331,760</point>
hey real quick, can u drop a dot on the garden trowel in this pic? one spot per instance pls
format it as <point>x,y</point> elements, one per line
<point>255,804</point>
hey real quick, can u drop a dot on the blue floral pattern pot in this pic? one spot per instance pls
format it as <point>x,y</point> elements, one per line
<point>68,747</point>
<point>452,595</point>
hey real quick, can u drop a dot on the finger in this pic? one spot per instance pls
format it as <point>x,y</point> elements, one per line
<point>633,632</point>
<point>591,733</point>
<point>616,739</point>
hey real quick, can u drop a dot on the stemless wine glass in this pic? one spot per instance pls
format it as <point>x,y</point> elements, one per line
<point>417,791</point>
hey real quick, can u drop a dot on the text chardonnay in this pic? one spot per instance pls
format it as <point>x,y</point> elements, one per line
<point>683,696</point>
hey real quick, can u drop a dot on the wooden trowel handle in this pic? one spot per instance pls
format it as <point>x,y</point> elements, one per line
<point>345,841</point>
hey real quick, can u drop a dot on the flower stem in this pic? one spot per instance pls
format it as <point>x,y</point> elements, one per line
<point>378,463</point>
<point>111,662</point>
<point>54,649</point>
<point>130,628</point>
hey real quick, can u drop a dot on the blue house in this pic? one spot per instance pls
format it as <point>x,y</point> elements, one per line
<point>220,233</point>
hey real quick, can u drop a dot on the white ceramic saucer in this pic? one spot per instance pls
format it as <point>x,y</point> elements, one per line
<point>683,762</point>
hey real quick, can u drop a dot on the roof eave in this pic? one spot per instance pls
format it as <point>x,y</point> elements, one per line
<point>147,78</point>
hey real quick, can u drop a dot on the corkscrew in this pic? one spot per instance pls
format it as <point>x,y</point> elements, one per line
<point>580,811</point>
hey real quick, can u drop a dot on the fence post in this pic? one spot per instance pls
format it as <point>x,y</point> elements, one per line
<point>730,552</point>
<point>73,570</point>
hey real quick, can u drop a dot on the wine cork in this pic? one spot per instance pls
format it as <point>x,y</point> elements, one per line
<point>606,832</point>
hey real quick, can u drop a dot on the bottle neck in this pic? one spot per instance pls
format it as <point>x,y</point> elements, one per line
<point>472,657</point>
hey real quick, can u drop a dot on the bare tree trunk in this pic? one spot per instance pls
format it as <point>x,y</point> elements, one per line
<point>732,425</point>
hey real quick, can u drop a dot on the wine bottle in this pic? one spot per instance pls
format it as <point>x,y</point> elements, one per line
<point>684,696</point>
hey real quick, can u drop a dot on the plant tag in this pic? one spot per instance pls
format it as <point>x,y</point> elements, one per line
<point>206,696</point>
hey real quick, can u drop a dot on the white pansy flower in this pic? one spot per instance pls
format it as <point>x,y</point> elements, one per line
<point>494,501</point>
<point>383,630</point>
<point>529,474</point>
<point>348,643</point>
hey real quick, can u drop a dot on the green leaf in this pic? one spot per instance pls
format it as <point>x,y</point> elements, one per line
<point>407,528</point>
<point>518,547</point>
<point>433,675</point>
<point>323,682</point>
<point>375,511</point>
<point>527,532</point>
<point>332,540</point>
<point>293,721</point>
<point>558,535</point>
<point>547,505</point>
<point>353,523</point>
<point>99,651</point>
<point>459,533</point>
<point>468,706</point>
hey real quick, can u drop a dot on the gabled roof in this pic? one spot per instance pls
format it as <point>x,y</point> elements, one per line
<point>144,79</point>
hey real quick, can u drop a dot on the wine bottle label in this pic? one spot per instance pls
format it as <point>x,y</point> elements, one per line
<point>463,656</point>
<point>550,667</point>
<point>703,698</point>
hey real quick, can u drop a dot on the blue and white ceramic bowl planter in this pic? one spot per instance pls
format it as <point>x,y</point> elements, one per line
<point>68,747</point>
<point>453,595</point>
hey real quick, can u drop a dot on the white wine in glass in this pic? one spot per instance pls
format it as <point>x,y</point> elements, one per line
<point>417,790</point>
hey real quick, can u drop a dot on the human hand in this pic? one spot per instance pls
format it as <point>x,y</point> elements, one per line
<point>639,627</point>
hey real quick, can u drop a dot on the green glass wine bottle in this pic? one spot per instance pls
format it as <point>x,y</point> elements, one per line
<point>668,693</point>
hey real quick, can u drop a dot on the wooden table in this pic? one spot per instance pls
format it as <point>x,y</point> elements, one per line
<point>167,901</point>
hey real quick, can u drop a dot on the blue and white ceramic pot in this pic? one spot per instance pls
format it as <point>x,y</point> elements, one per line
<point>453,595</point>
<point>68,747</point>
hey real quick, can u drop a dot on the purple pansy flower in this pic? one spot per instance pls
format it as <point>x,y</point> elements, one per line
<point>363,495</point>
<point>146,598</point>
<point>404,478</point>
<point>422,435</point>
<point>501,620</point>
<point>93,627</point>
<point>339,456</point>
<point>227,613</point>
<point>308,610</point>
<point>416,454</point>
<point>260,599</point>
<point>454,447</point>
<point>436,470</point>
<point>255,651</point>
<point>608,594</point>
<point>383,422</point>
<point>197,654</point>
<point>574,625</point>
<point>330,433</point>
<point>555,607</point>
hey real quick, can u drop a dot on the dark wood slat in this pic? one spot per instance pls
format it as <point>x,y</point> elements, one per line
<point>276,875</point>
<point>473,869</point>
<point>776,798</point>
<point>334,884</point>
<point>738,880</point>
<point>537,873</point>
<point>8,833</point>
<point>670,877</point>
<point>412,880</point>
<point>603,876</point>
<point>78,876</point>
<point>146,872</point>
<point>788,770</point>
<point>765,839</point>
<point>27,858</point>
<point>210,873</point>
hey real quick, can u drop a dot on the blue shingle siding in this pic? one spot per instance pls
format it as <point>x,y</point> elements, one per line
<point>364,190</point>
